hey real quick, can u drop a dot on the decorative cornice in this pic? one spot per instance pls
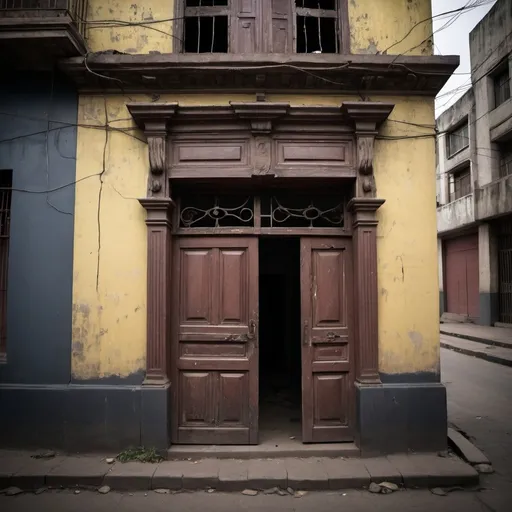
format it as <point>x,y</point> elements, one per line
<point>315,73</point>
<point>260,114</point>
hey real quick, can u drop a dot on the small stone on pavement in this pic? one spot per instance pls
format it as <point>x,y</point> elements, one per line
<point>110,460</point>
<point>289,490</point>
<point>210,490</point>
<point>375,488</point>
<point>390,486</point>
<point>438,491</point>
<point>249,492</point>
<point>104,490</point>
<point>272,490</point>
<point>484,468</point>
<point>77,491</point>
<point>41,490</point>
<point>13,491</point>
<point>162,491</point>
<point>299,494</point>
<point>282,493</point>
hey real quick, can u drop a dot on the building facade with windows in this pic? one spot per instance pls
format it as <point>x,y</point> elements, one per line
<point>244,182</point>
<point>474,182</point>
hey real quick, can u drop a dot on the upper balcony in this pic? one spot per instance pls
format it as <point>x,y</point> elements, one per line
<point>456,214</point>
<point>35,33</point>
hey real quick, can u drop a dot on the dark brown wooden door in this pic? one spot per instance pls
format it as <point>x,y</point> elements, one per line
<point>327,360</point>
<point>215,345</point>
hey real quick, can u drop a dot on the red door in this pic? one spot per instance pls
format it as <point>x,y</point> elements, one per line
<point>215,342</point>
<point>462,276</point>
<point>327,356</point>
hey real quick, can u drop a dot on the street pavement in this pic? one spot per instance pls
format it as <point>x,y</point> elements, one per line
<point>479,403</point>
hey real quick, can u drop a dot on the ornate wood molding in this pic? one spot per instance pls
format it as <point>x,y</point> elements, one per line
<point>158,327</point>
<point>366,287</point>
<point>367,118</point>
<point>261,114</point>
<point>154,120</point>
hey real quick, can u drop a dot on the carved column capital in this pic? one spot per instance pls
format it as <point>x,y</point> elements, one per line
<point>367,116</point>
<point>154,119</point>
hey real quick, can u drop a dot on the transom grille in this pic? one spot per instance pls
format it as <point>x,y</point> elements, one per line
<point>265,211</point>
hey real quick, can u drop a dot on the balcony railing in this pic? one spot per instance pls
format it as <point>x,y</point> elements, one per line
<point>75,9</point>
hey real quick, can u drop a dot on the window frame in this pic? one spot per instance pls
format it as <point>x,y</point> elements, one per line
<point>499,89</point>
<point>455,177</point>
<point>263,18</point>
<point>505,161</point>
<point>453,132</point>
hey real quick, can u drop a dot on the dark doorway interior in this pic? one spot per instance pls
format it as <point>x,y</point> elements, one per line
<point>280,348</point>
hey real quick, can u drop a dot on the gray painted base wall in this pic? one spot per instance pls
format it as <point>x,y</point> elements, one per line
<point>489,308</point>
<point>78,418</point>
<point>394,418</point>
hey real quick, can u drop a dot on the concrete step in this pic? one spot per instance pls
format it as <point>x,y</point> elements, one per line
<point>314,473</point>
<point>491,353</point>
<point>280,449</point>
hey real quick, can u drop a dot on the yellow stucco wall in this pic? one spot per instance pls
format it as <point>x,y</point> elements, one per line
<point>109,321</point>
<point>109,292</point>
<point>374,26</point>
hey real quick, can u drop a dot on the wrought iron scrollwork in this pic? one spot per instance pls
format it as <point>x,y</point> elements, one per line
<point>218,215</point>
<point>314,213</point>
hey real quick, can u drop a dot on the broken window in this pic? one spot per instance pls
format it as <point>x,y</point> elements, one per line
<point>243,26</point>
<point>206,26</point>
<point>5,222</point>
<point>317,26</point>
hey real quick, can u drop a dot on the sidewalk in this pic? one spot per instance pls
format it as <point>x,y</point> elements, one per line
<point>499,336</point>
<point>18,469</point>
<point>492,344</point>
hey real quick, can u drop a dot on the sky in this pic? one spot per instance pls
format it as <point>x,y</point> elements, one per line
<point>451,37</point>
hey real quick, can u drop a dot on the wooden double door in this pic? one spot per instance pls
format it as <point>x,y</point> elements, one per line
<point>215,343</point>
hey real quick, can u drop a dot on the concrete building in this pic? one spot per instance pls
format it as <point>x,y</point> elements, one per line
<point>238,252</point>
<point>474,182</point>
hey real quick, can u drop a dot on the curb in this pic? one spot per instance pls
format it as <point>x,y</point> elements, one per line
<point>484,341</point>
<point>409,472</point>
<point>480,355</point>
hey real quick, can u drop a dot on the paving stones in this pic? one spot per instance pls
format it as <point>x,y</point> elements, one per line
<point>267,473</point>
<point>375,488</point>
<point>201,474</point>
<point>169,475</point>
<point>307,474</point>
<point>130,476</point>
<point>233,475</point>
<point>346,474</point>
<point>380,469</point>
<point>88,471</point>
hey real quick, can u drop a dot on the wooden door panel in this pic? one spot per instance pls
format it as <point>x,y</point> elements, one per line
<point>233,287</point>
<point>327,362</point>
<point>196,286</point>
<point>233,408</point>
<point>215,343</point>
<point>196,400</point>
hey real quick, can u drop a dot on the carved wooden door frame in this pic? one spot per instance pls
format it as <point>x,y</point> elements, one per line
<point>355,121</point>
